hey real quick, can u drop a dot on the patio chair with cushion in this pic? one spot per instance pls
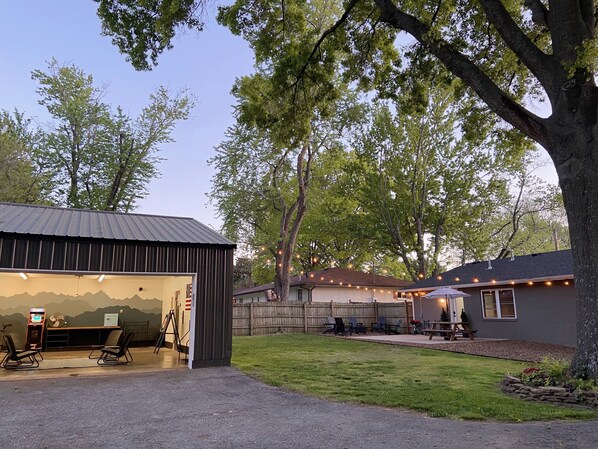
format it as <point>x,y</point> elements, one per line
<point>356,327</point>
<point>15,359</point>
<point>113,355</point>
<point>380,325</point>
<point>394,328</point>
<point>112,341</point>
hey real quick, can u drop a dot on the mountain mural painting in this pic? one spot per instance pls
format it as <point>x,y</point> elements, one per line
<point>83,310</point>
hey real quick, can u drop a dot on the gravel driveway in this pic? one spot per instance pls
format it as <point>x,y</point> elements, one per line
<point>222,408</point>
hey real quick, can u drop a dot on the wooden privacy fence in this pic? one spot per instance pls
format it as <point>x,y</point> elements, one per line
<point>268,318</point>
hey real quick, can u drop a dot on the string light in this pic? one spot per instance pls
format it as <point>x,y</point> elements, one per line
<point>350,266</point>
<point>530,283</point>
<point>420,275</point>
<point>439,277</point>
<point>548,283</point>
<point>566,282</point>
<point>476,280</point>
<point>457,279</point>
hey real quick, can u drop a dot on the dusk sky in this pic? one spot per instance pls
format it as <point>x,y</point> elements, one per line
<point>34,31</point>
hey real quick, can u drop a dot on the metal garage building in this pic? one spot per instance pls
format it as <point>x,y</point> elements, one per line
<point>74,241</point>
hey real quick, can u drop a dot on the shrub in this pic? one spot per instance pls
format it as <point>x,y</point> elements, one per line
<point>554,372</point>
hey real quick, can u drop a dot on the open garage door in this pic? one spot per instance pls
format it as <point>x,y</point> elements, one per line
<point>76,313</point>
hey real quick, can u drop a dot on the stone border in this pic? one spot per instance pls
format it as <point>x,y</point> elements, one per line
<point>557,395</point>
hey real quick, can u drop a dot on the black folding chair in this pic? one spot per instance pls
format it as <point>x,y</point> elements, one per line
<point>113,355</point>
<point>15,359</point>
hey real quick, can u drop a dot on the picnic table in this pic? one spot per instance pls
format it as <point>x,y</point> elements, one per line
<point>448,329</point>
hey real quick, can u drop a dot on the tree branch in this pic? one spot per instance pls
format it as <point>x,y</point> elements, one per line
<point>461,66</point>
<point>538,62</point>
<point>324,35</point>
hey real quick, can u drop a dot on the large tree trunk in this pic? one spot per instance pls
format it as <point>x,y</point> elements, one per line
<point>579,182</point>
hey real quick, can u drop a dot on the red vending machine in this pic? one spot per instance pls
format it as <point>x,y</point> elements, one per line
<point>35,327</point>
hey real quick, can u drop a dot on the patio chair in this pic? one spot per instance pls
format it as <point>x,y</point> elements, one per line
<point>355,327</point>
<point>111,342</point>
<point>330,325</point>
<point>22,346</point>
<point>15,359</point>
<point>339,326</point>
<point>394,328</point>
<point>113,356</point>
<point>380,325</point>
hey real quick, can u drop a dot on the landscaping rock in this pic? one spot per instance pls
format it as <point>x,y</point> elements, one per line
<point>557,395</point>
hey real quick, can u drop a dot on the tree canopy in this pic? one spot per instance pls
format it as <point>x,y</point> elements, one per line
<point>101,158</point>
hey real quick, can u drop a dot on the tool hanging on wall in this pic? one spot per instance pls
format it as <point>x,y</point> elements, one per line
<point>168,320</point>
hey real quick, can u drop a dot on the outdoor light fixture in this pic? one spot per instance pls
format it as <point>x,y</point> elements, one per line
<point>101,278</point>
<point>23,275</point>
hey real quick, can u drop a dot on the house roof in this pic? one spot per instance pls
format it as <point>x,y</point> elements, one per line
<point>24,219</point>
<point>334,277</point>
<point>533,267</point>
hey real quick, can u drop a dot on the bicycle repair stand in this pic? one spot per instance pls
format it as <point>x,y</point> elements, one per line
<point>168,319</point>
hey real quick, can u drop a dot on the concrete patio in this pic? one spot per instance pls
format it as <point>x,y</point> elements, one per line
<point>415,339</point>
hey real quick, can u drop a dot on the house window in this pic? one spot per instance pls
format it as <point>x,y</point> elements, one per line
<point>300,295</point>
<point>498,304</point>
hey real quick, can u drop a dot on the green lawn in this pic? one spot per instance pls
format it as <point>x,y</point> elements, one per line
<point>436,382</point>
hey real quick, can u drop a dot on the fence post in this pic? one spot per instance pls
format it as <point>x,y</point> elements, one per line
<point>250,318</point>
<point>332,309</point>
<point>376,312</point>
<point>305,318</point>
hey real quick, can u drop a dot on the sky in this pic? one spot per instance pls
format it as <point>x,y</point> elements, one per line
<point>207,63</point>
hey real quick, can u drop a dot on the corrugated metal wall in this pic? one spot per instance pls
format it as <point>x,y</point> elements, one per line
<point>212,264</point>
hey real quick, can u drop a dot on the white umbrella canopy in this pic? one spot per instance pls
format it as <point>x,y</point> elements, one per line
<point>446,292</point>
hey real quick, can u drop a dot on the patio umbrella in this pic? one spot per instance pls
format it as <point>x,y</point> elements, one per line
<point>446,293</point>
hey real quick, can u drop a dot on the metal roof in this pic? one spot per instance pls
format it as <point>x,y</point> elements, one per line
<point>334,277</point>
<point>25,219</point>
<point>531,267</point>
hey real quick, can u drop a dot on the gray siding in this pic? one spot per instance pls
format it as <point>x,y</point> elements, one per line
<point>544,314</point>
<point>211,264</point>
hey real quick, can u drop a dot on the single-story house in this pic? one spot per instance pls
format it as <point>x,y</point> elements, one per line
<point>333,284</point>
<point>529,297</point>
<point>82,268</point>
